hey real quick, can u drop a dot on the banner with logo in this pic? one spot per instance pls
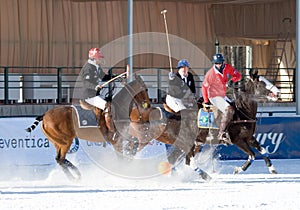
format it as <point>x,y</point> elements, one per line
<point>18,147</point>
<point>280,136</point>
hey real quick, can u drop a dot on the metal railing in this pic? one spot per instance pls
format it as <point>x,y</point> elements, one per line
<point>60,85</point>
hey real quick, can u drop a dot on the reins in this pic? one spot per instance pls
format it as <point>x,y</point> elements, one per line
<point>249,119</point>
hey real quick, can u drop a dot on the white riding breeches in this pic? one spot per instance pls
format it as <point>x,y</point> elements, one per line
<point>175,104</point>
<point>97,101</point>
<point>220,103</point>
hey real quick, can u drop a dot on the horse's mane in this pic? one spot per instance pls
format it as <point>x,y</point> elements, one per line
<point>121,102</point>
<point>245,102</point>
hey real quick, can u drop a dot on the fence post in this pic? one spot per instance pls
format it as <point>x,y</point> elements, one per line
<point>6,94</point>
<point>110,94</point>
<point>294,86</point>
<point>59,85</point>
<point>159,100</point>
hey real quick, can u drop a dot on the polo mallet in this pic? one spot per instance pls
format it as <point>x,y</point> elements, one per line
<point>163,12</point>
<point>109,81</point>
<point>128,70</point>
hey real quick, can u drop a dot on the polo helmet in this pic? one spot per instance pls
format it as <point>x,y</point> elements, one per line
<point>183,63</point>
<point>95,53</point>
<point>218,58</point>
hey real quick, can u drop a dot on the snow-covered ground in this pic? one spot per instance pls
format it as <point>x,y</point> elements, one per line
<point>46,187</point>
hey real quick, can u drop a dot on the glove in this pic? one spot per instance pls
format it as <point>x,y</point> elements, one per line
<point>232,84</point>
<point>171,75</point>
<point>98,88</point>
<point>229,84</point>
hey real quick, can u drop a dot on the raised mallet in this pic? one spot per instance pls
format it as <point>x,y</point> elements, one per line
<point>163,12</point>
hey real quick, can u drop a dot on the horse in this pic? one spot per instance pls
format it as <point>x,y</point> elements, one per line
<point>60,124</point>
<point>243,125</point>
<point>181,129</point>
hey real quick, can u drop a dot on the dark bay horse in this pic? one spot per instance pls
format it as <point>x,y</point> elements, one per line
<point>243,126</point>
<point>182,131</point>
<point>60,124</point>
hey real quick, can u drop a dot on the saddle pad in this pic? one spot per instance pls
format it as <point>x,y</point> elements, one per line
<point>86,118</point>
<point>206,119</point>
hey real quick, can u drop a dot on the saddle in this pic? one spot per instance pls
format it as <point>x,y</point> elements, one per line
<point>207,119</point>
<point>109,131</point>
<point>168,109</point>
<point>169,113</point>
<point>86,118</point>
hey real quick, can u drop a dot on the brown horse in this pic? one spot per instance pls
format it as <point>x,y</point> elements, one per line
<point>181,129</point>
<point>243,126</point>
<point>60,124</point>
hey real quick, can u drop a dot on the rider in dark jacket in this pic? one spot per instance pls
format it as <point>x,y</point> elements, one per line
<point>91,74</point>
<point>180,86</point>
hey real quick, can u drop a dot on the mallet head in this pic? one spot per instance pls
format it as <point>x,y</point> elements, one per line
<point>163,12</point>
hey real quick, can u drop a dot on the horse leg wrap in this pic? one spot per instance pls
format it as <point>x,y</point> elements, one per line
<point>70,170</point>
<point>270,166</point>
<point>272,169</point>
<point>193,164</point>
<point>246,165</point>
<point>202,174</point>
<point>267,161</point>
<point>263,152</point>
<point>198,170</point>
<point>266,157</point>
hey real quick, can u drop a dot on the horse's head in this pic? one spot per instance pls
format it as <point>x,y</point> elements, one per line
<point>132,100</point>
<point>140,108</point>
<point>251,92</point>
<point>139,92</point>
<point>261,88</point>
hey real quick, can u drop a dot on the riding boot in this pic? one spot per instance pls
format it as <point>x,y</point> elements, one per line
<point>225,120</point>
<point>109,121</point>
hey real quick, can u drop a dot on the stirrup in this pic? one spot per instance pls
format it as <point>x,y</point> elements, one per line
<point>224,138</point>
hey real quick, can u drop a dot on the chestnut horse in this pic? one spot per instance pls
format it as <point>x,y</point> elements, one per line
<point>60,124</point>
<point>181,129</point>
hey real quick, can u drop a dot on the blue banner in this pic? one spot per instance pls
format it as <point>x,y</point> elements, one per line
<point>280,136</point>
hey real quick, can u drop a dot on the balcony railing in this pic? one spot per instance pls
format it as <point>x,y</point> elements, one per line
<point>60,85</point>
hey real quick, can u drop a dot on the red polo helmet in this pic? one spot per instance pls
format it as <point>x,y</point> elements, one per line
<point>95,53</point>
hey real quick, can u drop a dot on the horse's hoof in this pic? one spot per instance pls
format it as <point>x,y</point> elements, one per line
<point>237,170</point>
<point>272,170</point>
<point>205,176</point>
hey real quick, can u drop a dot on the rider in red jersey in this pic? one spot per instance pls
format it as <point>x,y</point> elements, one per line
<point>214,90</point>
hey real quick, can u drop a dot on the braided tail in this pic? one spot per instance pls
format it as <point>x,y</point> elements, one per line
<point>38,119</point>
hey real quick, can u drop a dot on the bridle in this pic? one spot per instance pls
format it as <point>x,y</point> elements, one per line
<point>248,118</point>
<point>131,92</point>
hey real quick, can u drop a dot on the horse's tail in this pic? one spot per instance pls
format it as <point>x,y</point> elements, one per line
<point>38,119</point>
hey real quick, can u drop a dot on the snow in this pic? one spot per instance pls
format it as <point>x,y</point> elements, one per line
<point>46,187</point>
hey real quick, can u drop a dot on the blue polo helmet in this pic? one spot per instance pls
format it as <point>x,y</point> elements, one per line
<point>183,63</point>
<point>218,58</point>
